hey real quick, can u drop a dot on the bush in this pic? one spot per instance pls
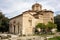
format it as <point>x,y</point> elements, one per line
<point>51,25</point>
<point>40,25</point>
<point>45,28</point>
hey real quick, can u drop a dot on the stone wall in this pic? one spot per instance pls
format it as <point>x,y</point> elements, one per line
<point>28,24</point>
<point>27,38</point>
<point>17,23</point>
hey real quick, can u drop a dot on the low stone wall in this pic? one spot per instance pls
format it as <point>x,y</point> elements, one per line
<point>31,38</point>
<point>17,37</point>
<point>28,38</point>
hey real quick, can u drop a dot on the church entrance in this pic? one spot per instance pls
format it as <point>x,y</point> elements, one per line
<point>14,29</point>
<point>18,29</point>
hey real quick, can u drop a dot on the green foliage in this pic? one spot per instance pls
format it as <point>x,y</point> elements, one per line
<point>55,38</point>
<point>51,25</point>
<point>4,23</point>
<point>57,21</point>
<point>45,28</point>
<point>40,25</point>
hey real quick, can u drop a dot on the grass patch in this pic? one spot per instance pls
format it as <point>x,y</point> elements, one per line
<point>55,38</point>
<point>43,35</point>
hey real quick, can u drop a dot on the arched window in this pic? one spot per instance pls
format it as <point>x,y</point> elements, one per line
<point>14,21</point>
<point>30,21</point>
<point>52,19</point>
<point>41,14</point>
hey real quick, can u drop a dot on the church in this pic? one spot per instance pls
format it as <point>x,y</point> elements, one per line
<point>25,23</point>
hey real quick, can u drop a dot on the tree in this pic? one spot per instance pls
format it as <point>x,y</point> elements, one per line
<point>41,26</point>
<point>46,28</point>
<point>4,23</point>
<point>51,25</point>
<point>57,21</point>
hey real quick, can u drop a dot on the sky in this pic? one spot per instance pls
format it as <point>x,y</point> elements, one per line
<point>12,8</point>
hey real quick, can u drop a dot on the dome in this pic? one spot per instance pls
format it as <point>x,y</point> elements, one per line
<point>36,7</point>
<point>36,4</point>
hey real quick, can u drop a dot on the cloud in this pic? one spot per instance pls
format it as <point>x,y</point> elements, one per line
<point>57,12</point>
<point>12,8</point>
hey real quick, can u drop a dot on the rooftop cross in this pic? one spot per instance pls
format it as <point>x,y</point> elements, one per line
<point>36,1</point>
